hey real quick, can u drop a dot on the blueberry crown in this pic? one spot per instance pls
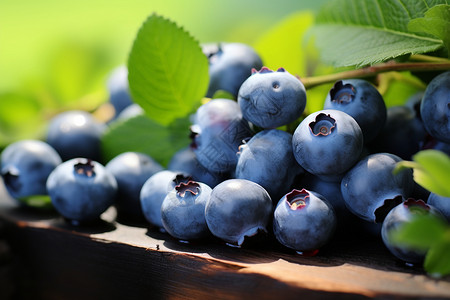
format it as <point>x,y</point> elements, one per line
<point>297,199</point>
<point>191,186</point>
<point>85,168</point>
<point>266,70</point>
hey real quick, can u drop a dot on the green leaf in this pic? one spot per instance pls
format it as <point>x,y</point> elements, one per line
<point>168,72</point>
<point>436,22</point>
<point>431,171</point>
<point>437,260</point>
<point>421,233</point>
<point>142,134</point>
<point>366,32</point>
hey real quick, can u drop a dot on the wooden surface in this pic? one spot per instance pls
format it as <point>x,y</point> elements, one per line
<point>112,260</point>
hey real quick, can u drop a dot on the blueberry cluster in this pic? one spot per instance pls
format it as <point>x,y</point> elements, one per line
<point>245,173</point>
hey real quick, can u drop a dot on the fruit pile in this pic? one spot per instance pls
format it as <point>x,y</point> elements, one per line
<point>245,171</point>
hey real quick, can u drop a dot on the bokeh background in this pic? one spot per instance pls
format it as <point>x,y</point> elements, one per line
<point>56,55</point>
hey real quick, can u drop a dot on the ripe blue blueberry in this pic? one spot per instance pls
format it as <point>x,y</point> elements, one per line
<point>267,159</point>
<point>435,107</point>
<point>371,189</point>
<point>183,211</point>
<point>441,203</point>
<point>186,161</point>
<point>304,221</point>
<point>81,190</point>
<point>154,191</point>
<point>230,64</point>
<point>236,209</point>
<point>131,170</point>
<point>327,143</point>
<point>361,100</point>
<point>76,134</point>
<point>117,86</point>
<point>217,132</point>
<point>395,219</point>
<point>25,167</point>
<point>271,99</point>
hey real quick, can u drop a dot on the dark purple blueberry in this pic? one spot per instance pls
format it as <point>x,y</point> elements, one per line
<point>395,219</point>
<point>25,167</point>
<point>361,100</point>
<point>131,170</point>
<point>304,221</point>
<point>75,134</point>
<point>271,99</point>
<point>238,208</point>
<point>268,160</point>
<point>81,189</point>
<point>155,190</point>
<point>371,189</point>
<point>230,64</point>
<point>327,143</point>
<point>119,93</point>
<point>217,132</point>
<point>435,107</point>
<point>183,211</point>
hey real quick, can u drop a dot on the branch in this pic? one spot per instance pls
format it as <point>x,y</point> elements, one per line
<point>310,82</point>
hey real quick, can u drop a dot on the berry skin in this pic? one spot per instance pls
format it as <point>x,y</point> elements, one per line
<point>183,211</point>
<point>271,99</point>
<point>186,161</point>
<point>370,189</point>
<point>267,159</point>
<point>304,221</point>
<point>435,107</point>
<point>81,190</point>
<point>236,209</point>
<point>230,64</point>
<point>441,203</point>
<point>396,218</point>
<point>217,132</point>
<point>25,167</point>
<point>361,100</point>
<point>155,190</point>
<point>119,94</point>
<point>76,134</point>
<point>327,143</point>
<point>131,170</point>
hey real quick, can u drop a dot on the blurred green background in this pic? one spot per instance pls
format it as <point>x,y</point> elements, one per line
<point>56,55</point>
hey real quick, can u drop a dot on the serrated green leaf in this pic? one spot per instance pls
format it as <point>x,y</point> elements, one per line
<point>366,32</point>
<point>437,260</point>
<point>144,135</point>
<point>421,233</point>
<point>436,22</point>
<point>168,72</point>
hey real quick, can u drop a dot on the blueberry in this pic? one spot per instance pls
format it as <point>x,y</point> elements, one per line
<point>395,219</point>
<point>327,143</point>
<point>117,86</point>
<point>402,134</point>
<point>217,132</point>
<point>268,160</point>
<point>25,167</point>
<point>435,107</point>
<point>81,190</point>
<point>75,134</point>
<point>304,221</point>
<point>236,209</point>
<point>131,170</point>
<point>183,211</point>
<point>186,161</point>
<point>154,191</point>
<point>370,189</point>
<point>271,99</point>
<point>361,100</point>
<point>230,64</point>
<point>441,203</point>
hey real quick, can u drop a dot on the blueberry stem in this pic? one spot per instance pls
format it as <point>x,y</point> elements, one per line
<point>369,71</point>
